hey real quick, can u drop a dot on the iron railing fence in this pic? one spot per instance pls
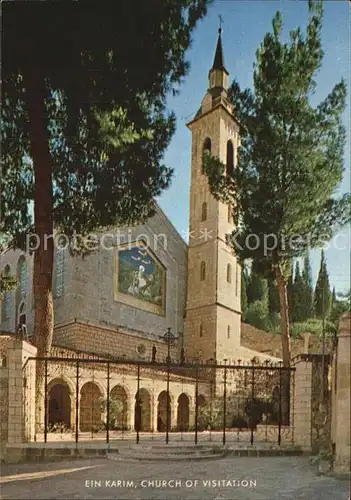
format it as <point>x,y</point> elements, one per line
<point>99,399</point>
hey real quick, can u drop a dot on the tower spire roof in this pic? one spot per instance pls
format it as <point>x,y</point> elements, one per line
<point>218,62</point>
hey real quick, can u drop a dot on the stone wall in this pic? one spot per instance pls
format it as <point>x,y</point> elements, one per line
<point>4,386</point>
<point>302,397</point>
<point>321,403</point>
<point>16,428</point>
<point>114,341</point>
<point>341,407</point>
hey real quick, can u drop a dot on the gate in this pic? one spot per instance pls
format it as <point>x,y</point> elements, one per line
<point>88,398</point>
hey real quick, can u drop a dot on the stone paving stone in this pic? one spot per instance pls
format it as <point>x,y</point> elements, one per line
<point>277,478</point>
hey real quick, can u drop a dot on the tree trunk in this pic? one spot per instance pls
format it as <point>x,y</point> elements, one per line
<point>284,316</point>
<point>43,223</point>
<point>286,346</point>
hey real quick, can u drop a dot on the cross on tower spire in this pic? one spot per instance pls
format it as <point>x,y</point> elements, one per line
<point>220,23</point>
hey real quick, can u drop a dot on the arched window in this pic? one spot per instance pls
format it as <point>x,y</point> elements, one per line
<point>229,213</point>
<point>206,149</point>
<point>229,273</point>
<point>7,300</point>
<point>200,330</point>
<point>22,277</point>
<point>228,332</point>
<point>202,271</point>
<point>22,314</point>
<point>204,212</point>
<point>230,158</point>
<point>59,271</point>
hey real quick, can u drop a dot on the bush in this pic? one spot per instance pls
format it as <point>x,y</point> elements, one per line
<point>256,315</point>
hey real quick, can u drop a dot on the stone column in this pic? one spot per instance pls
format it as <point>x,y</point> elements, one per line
<point>20,424</point>
<point>131,413</point>
<point>342,406</point>
<point>154,413</point>
<point>302,410</point>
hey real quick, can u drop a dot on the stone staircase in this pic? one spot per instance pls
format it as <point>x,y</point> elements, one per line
<point>166,452</point>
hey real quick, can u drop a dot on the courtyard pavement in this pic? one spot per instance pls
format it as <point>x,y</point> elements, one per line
<point>245,478</point>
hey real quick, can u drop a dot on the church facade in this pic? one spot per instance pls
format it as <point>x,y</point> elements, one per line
<point>119,301</point>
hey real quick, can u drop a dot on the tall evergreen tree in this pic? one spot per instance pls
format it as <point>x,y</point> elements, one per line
<point>84,121</point>
<point>257,289</point>
<point>244,278</point>
<point>298,296</point>
<point>290,160</point>
<point>307,309</point>
<point>322,295</point>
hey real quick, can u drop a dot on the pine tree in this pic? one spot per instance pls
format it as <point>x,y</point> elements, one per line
<point>322,295</point>
<point>243,292</point>
<point>84,122</point>
<point>290,160</point>
<point>307,309</point>
<point>298,292</point>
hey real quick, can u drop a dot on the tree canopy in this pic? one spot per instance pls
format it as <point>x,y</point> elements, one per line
<point>290,159</point>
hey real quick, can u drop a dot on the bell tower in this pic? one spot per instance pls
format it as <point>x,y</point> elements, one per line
<point>213,312</point>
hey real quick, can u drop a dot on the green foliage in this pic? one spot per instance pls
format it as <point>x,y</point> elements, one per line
<point>257,315</point>
<point>291,156</point>
<point>313,325</point>
<point>339,307</point>
<point>298,296</point>
<point>307,305</point>
<point>116,412</point>
<point>244,303</point>
<point>7,284</point>
<point>257,289</point>
<point>107,73</point>
<point>322,295</point>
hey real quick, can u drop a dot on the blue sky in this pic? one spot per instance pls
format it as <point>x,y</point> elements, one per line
<point>245,24</point>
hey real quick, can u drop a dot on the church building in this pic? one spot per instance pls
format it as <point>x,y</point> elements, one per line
<point>119,301</point>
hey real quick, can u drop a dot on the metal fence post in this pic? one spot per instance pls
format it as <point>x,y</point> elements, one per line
<point>77,402</point>
<point>252,405</point>
<point>168,400</point>
<point>46,402</point>
<point>224,401</point>
<point>280,405</point>
<point>108,405</point>
<point>196,401</point>
<point>138,407</point>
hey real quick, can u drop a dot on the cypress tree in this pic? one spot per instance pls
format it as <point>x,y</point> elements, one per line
<point>257,289</point>
<point>307,309</point>
<point>322,295</point>
<point>244,278</point>
<point>298,289</point>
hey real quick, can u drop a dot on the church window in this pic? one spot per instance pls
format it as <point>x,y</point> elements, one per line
<point>59,271</point>
<point>22,277</point>
<point>200,330</point>
<point>22,314</point>
<point>228,332</point>
<point>202,271</point>
<point>230,158</point>
<point>237,279</point>
<point>7,300</point>
<point>229,273</point>
<point>206,150</point>
<point>204,212</point>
